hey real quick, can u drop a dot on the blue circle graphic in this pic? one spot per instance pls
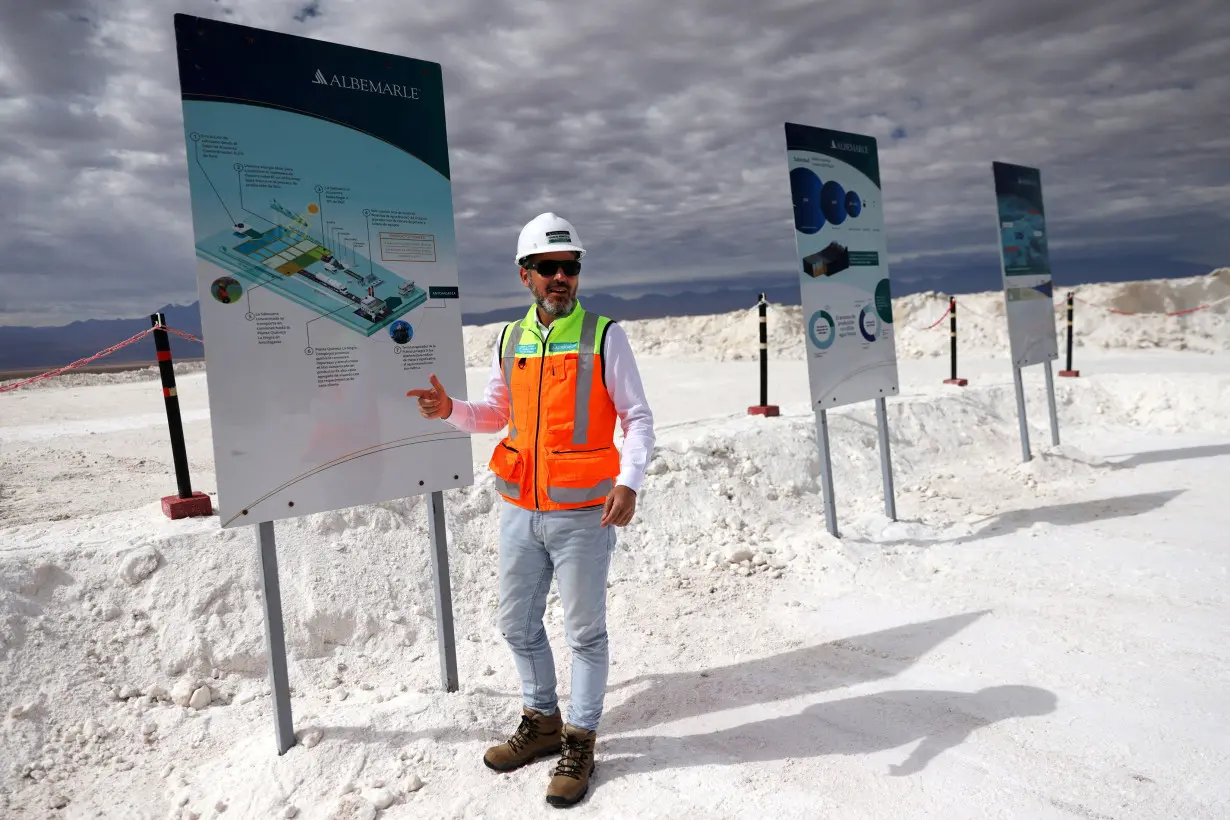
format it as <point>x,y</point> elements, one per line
<point>854,204</point>
<point>869,331</point>
<point>805,191</point>
<point>824,337</point>
<point>401,332</point>
<point>833,202</point>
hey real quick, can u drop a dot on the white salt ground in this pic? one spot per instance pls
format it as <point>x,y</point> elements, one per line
<point>1043,640</point>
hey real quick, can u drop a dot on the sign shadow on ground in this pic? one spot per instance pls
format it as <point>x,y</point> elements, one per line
<point>1067,515</point>
<point>1176,454</point>
<point>669,696</point>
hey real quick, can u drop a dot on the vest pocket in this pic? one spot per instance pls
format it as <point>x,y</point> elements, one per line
<point>508,466</point>
<point>568,367</point>
<point>581,476</point>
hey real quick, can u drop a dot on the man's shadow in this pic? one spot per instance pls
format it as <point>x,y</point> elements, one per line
<point>861,725</point>
<point>669,696</point>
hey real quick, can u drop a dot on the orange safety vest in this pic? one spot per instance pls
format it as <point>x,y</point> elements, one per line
<point>559,452</point>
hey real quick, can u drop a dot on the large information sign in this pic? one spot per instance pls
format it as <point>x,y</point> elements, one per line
<point>1025,264</point>
<point>843,265</point>
<point>327,270</point>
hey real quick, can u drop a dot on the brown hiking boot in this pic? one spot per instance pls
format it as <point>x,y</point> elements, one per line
<point>570,778</point>
<point>536,736</point>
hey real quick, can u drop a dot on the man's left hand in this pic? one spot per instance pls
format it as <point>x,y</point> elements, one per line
<point>620,506</point>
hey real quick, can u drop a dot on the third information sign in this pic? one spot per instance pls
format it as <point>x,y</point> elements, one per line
<point>1025,264</point>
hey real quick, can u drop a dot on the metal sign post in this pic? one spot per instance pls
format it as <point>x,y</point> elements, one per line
<point>275,634</point>
<point>826,472</point>
<point>1050,398</point>
<point>826,466</point>
<point>444,595</point>
<point>1020,408</point>
<point>886,463</point>
<point>275,637</point>
<point>1020,413</point>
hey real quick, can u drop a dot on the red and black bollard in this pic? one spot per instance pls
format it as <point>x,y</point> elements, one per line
<point>1070,373</point>
<point>952,311</point>
<point>187,503</point>
<point>764,408</point>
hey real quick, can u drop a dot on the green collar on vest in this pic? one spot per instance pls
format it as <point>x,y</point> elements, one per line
<point>567,333</point>
<point>565,328</point>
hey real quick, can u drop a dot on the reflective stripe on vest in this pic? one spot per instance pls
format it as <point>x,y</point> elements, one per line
<point>559,452</point>
<point>507,488</point>
<point>514,339</point>
<point>585,378</point>
<point>578,495</point>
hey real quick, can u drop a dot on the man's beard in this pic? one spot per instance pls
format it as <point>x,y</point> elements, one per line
<point>554,310</point>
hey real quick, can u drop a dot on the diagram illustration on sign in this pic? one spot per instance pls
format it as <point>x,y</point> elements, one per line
<point>1022,222</point>
<point>336,281</point>
<point>833,259</point>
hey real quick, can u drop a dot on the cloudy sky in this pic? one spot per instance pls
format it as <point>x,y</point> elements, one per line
<point>656,128</point>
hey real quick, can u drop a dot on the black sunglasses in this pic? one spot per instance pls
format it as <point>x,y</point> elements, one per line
<point>549,267</point>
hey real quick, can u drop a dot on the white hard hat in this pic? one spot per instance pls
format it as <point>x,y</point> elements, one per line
<point>545,233</point>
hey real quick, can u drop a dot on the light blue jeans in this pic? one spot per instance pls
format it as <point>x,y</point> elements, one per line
<point>577,549</point>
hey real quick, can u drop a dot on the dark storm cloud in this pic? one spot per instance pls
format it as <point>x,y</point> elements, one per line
<point>656,128</point>
<point>46,50</point>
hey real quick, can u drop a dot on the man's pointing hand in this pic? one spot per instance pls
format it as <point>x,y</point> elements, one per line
<point>433,403</point>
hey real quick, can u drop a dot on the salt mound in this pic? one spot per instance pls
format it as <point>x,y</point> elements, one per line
<point>734,336</point>
<point>981,324</point>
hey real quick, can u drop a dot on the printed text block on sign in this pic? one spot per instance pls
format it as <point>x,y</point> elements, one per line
<point>407,247</point>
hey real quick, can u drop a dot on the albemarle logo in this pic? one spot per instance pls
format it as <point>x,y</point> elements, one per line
<point>849,146</point>
<point>371,86</point>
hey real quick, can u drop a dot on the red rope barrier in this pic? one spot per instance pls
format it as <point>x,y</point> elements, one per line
<point>936,324</point>
<point>182,334</point>
<point>1062,305</point>
<point>947,311</point>
<point>82,362</point>
<point>1182,312</point>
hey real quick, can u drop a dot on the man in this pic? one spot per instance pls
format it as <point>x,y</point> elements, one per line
<point>560,378</point>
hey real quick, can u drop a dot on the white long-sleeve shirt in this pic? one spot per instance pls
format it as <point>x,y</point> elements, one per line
<point>623,385</point>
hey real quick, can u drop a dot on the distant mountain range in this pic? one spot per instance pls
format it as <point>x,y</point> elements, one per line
<point>50,347</point>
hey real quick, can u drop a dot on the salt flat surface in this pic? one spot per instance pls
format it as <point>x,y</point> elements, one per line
<point>1042,640</point>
